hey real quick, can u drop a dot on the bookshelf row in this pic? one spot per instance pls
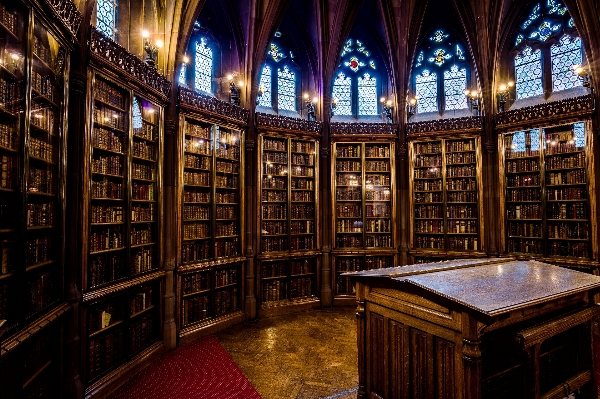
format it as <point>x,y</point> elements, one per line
<point>546,192</point>
<point>356,262</point>
<point>286,280</point>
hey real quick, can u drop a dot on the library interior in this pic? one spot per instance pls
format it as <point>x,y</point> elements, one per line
<point>418,180</point>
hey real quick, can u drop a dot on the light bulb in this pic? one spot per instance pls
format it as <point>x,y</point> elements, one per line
<point>241,83</point>
<point>502,87</point>
<point>230,77</point>
<point>159,43</point>
<point>145,34</point>
<point>186,59</point>
<point>413,101</point>
<point>306,96</point>
<point>315,99</point>
<point>382,100</point>
<point>511,83</point>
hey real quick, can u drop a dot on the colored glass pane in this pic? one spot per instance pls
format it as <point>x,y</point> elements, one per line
<point>342,91</point>
<point>438,36</point>
<point>556,8</point>
<point>136,118</point>
<point>265,85</point>
<point>426,88</point>
<point>204,64</point>
<point>347,47</point>
<point>361,48</point>
<point>579,133</point>
<point>455,83</point>
<point>545,30</point>
<point>106,17</point>
<point>420,59</point>
<point>520,38</point>
<point>286,89</point>
<point>367,95</point>
<point>182,73</point>
<point>354,64</point>
<point>535,14</point>
<point>528,73</point>
<point>460,53</point>
<point>571,23</point>
<point>565,54</point>
<point>439,57</point>
<point>276,53</point>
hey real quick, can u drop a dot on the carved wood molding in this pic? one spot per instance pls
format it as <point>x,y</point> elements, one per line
<point>106,52</point>
<point>287,124</point>
<point>67,13</point>
<point>212,106</point>
<point>205,265</point>
<point>451,125</point>
<point>362,128</point>
<point>33,328</point>
<point>546,113</point>
<point>98,294</point>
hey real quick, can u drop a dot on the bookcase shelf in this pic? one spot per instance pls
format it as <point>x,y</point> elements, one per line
<point>446,194</point>
<point>547,190</point>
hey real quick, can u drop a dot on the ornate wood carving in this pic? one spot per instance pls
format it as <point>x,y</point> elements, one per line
<point>106,52</point>
<point>98,294</point>
<point>363,128</point>
<point>454,125</point>
<point>213,263</point>
<point>546,113</point>
<point>212,106</point>
<point>287,124</point>
<point>377,363</point>
<point>68,14</point>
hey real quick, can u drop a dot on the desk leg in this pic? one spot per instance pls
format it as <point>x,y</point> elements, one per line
<point>360,335</point>
<point>472,369</point>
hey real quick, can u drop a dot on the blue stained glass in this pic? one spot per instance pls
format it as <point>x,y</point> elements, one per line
<point>347,47</point>
<point>182,73</point>
<point>286,89</point>
<point>571,23</point>
<point>361,48</point>
<point>535,14</point>
<point>276,53</point>
<point>265,84</point>
<point>342,92</point>
<point>439,57</point>
<point>367,95</point>
<point>136,118</point>
<point>544,31</point>
<point>520,38</point>
<point>455,83</point>
<point>426,88</point>
<point>460,53</point>
<point>372,64</point>
<point>438,36</point>
<point>420,59</point>
<point>106,17</point>
<point>579,132</point>
<point>528,73</point>
<point>204,65</point>
<point>565,55</point>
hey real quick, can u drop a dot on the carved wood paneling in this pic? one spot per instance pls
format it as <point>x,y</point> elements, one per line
<point>67,13</point>
<point>377,351</point>
<point>208,105</point>
<point>113,289</point>
<point>444,369</point>
<point>547,113</point>
<point>451,125</point>
<point>105,51</point>
<point>398,381</point>
<point>339,128</point>
<point>287,124</point>
<point>421,354</point>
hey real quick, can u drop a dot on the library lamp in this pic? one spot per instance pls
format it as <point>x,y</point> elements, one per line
<point>261,91</point>
<point>151,49</point>
<point>584,74</point>
<point>386,108</point>
<point>234,89</point>
<point>334,104</point>
<point>310,107</point>
<point>473,100</point>
<point>504,91</point>
<point>412,107</point>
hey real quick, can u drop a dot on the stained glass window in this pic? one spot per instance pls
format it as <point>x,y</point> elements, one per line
<point>265,85</point>
<point>136,118</point>
<point>565,54</point>
<point>204,64</point>
<point>182,73</point>
<point>367,95</point>
<point>106,17</point>
<point>427,91</point>
<point>520,141</point>
<point>528,73</point>
<point>579,132</point>
<point>545,30</point>
<point>286,89</point>
<point>455,83</point>
<point>535,14</point>
<point>342,91</point>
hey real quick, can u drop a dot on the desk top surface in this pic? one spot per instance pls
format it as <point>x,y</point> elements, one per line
<point>491,287</point>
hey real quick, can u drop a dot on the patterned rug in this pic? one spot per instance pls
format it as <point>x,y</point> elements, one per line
<point>200,370</point>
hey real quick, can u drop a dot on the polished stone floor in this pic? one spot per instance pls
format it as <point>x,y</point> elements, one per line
<point>307,355</point>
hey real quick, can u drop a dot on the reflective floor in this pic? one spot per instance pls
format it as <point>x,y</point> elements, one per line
<point>299,356</point>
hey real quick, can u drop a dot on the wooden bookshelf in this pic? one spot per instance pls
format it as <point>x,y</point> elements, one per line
<point>363,211</point>
<point>548,193</point>
<point>446,212</point>
<point>288,222</point>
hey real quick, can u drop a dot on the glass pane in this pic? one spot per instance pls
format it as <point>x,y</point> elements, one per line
<point>265,84</point>
<point>106,17</point>
<point>286,89</point>
<point>528,72</point>
<point>182,73</point>
<point>427,91</point>
<point>204,61</point>
<point>342,87</point>
<point>367,95</point>
<point>455,83</point>
<point>565,54</point>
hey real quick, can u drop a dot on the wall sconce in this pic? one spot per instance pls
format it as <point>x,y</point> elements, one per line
<point>386,109</point>
<point>473,100</point>
<point>504,91</point>
<point>584,74</point>
<point>310,107</point>
<point>234,89</point>
<point>412,107</point>
<point>261,91</point>
<point>334,103</point>
<point>151,49</point>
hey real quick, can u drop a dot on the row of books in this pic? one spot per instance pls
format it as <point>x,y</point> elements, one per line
<point>112,165</point>
<point>459,158</point>
<point>40,180</point>
<point>9,136</point>
<point>108,94</point>
<point>106,214</point>
<point>105,352</point>
<point>41,149</point>
<point>142,260</point>
<point>195,252</point>
<point>140,300</point>
<point>463,243</point>
<point>42,117</point>
<point>9,19</point>
<point>40,214</point>
<point>110,118</point>
<point>42,50</point>
<point>196,282</point>
<point>197,162</point>
<point>302,243</point>
<point>7,166</point>
<point>142,333</point>
<point>41,292</point>
<point>301,159</point>
<point>39,250</point>
<point>104,269</point>
<point>143,149</point>
<point>147,131</point>
<point>142,213</point>
<point>228,167</point>
<point>226,301</point>
<point>105,139</point>
<point>142,192</point>
<point>140,171</point>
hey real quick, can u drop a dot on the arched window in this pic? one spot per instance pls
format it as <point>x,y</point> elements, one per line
<point>356,86</point>
<point>440,75</point>
<point>279,91</point>
<point>551,31</point>
<point>106,17</point>
<point>204,66</point>
<point>565,54</point>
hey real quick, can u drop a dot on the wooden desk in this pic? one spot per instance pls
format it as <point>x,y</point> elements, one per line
<point>470,329</point>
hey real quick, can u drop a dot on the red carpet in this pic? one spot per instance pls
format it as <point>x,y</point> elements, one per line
<point>200,370</point>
